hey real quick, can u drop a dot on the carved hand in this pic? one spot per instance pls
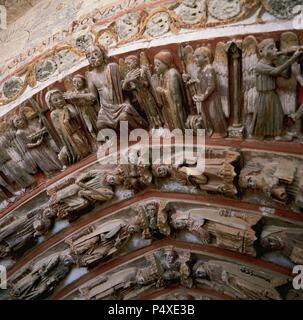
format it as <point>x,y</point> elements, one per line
<point>198,98</point>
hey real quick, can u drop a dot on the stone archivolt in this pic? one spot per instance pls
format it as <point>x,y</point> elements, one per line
<point>243,241</point>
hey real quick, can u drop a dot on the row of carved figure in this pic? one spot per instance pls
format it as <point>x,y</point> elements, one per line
<point>160,269</point>
<point>275,180</point>
<point>237,231</point>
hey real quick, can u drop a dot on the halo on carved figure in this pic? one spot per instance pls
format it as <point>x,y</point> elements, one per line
<point>49,95</point>
<point>44,69</point>
<point>13,87</point>
<point>107,39</point>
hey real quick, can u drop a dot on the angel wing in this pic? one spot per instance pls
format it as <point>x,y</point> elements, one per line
<point>221,67</point>
<point>249,61</point>
<point>122,68</point>
<point>287,84</point>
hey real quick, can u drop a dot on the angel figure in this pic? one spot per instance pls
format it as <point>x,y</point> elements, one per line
<point>66,120</point>
<point>86,102</point>
<point>204,78</point>
<point>268,119</point>
<point>250,59</point>
<point>170,92</point>
<point>137,82</point>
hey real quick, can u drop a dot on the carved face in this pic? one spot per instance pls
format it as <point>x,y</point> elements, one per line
<point>160,67</point>
<point>251,182</point>
<point>170,257</point>
<point>199,59</point>
<point>57,100</point>
<point>200,272</point>
<point>68,260</point>
<point>95,57</point>
<point>162,172</point>
<point>133,229</point>
<point>20,122</point>
<point>151,210</point>
<point>269,51</point>
<point>272,243</point>
<point>78,83</point>
<point>190,3</point>
<point>179,223</point>
<point>112,180</point>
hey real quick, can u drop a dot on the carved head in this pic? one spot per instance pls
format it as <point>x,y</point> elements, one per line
<point>151,208</point>
<point>268,49</point>
<point>79,81</point>
<point>190,3</point>
<point>202,56</point>
<point>163,61</point>
<point>179,221</point>
<point>68,260</point>
<point>161,171</point>
<point>96,56</point>
<point>170,256</point>
<point>132,62</point>
<point>199,270</point>
<point>112,180</point>
<point>272,242</point>
<point>20,121</point>
<point>55,99</point>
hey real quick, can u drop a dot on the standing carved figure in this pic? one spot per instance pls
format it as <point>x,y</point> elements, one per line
<point>137,82</point>
<point>170,92</point>
<point>33,142</point>
<point>105,83</point>
<point>206,96</point>
<point>269,115</point>
<point>66,120</point>
<point>86,102</point>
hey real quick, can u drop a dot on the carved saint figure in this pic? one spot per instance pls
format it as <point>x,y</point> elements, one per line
<point>238,281</point>
<point>222,228</point>
<point>68,125</point>
<point>40,279</point>
<point>207,97</point>
<point>20,232</point>
<point>269,115</point>
<point>105,83</point>
<point>170,92</point>
<point>98,243</point>
<point>13,171</point>
<point>86,103</point>
<point>288,241</point>
<point>35,144</point>
<point>139,84</point>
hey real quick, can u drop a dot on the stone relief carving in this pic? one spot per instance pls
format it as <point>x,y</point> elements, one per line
<point>44,69</point>
<point>12,87</point>
<point>39,279</point>
<point>281,9</point>
<point>192,11</point>
<point>128,25</point>
<point>17,234</point>
<point>224,10</point>
<point>68,125</point>
<point>158,24</point>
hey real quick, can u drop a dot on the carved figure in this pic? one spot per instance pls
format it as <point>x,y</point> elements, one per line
<point>222,228</point>
<point>33,142</point>
<point>18,233</point>
<point>105,83</point>
<point>66,120</point>
<point>138,83</point>
<point>86,103</point>
<point>170,92</point>
<point>204,82</point>
<point>269,115</point>
<point>40,279</point>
